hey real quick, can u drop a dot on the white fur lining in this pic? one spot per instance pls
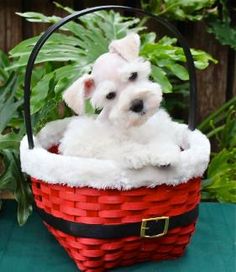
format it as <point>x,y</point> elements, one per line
<point>79,172</point>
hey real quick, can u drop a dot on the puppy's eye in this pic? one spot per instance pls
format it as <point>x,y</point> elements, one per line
<point>133,76</point>
<point>111,95</point>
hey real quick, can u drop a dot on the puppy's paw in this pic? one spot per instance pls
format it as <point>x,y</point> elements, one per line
<point>164,160</point>
<point>159,161</point>
<point>131,163</point>
<point>134,162</point>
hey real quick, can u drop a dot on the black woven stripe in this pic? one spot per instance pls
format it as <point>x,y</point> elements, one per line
<point>115,231</point>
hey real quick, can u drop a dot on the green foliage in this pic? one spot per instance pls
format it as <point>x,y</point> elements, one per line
<point>221,124</point>
<point>221,27</point>
<point>4,63</point>
<point>181,10</point>
<point>8,105</point>
<point>11,178</point>
<point>215,13</point>
<point>220,183</point>
<point>223,32</point>
<point>81,43</point>
<point>168,60</point>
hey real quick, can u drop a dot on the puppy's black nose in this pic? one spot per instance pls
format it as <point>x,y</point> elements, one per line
<point>136,105</point>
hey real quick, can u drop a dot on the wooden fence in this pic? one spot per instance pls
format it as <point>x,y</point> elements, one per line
<point>216,84</point>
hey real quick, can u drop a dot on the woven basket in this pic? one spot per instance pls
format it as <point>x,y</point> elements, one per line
<point>93,206</point>
<point>113,206</point>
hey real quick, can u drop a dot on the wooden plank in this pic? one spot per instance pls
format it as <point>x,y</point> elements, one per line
<point>212,82</point>
<point>233,23</point>
<point>45,7</point>
<point>10,24</point>
<point>48,8</point>
<point>230,74</point>
<point>2,25</point>
<point>234,77</point>
<point>26,26</point>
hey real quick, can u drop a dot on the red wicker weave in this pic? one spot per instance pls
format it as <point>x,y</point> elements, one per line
<point>93,206</point>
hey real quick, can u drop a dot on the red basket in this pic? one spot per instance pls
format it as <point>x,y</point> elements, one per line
<point>93,206</point>
<point>114,207</point>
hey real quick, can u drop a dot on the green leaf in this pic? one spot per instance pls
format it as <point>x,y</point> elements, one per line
<point>221,125</point>
<point>63,76</point>
<point>147,38</point>
<point>165,52</point>
<point>37,17</point>
<point>4,63</point>
<point>182,10</point>
<point>202,59</point>
<point>40,92</point>
<point>8,105</point>
<point>7,112</point>
<point>217,116</point>
<point>224,32</point>
<point>4,60</point>
<point>169,58</point>
<point>68,9</point>
<point>228,134</point>
<point>7,180</point>
<point>14,181</point>
<point>91,38</point>
<point>221,176</point>
<point>23,195</point>
<point>167,41</point>
<point>160,76</point>
<point>10,141</point>
<point>178,70</point>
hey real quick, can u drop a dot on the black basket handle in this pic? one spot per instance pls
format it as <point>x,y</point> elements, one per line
<point>173,30</point>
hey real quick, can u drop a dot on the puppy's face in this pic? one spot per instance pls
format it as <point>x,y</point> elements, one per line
<point>112,75</point>
<point>119,85</point>
<point>135,104</point>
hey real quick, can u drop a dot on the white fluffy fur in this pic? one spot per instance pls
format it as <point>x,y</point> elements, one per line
<point>74,96</point>
<point>143,68</point>
<point>100,173</point>
<point>134,148</point>
<point>127,48</point>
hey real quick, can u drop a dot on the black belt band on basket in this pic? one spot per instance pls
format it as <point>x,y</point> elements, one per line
<point>148,228</point>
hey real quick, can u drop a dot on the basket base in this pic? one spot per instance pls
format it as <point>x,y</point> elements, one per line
<point>97,255</point>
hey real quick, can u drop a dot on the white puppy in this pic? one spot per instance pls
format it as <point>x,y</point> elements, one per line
<point>130,129</point>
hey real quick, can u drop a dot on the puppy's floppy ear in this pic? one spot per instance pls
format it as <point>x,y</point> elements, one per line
<point>127,48</point>
<point>76,94</point>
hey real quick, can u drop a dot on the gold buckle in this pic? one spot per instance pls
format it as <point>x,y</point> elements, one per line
<point>144,226</point>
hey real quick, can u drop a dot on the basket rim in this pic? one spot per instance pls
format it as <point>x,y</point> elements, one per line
<point>81,172</point>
